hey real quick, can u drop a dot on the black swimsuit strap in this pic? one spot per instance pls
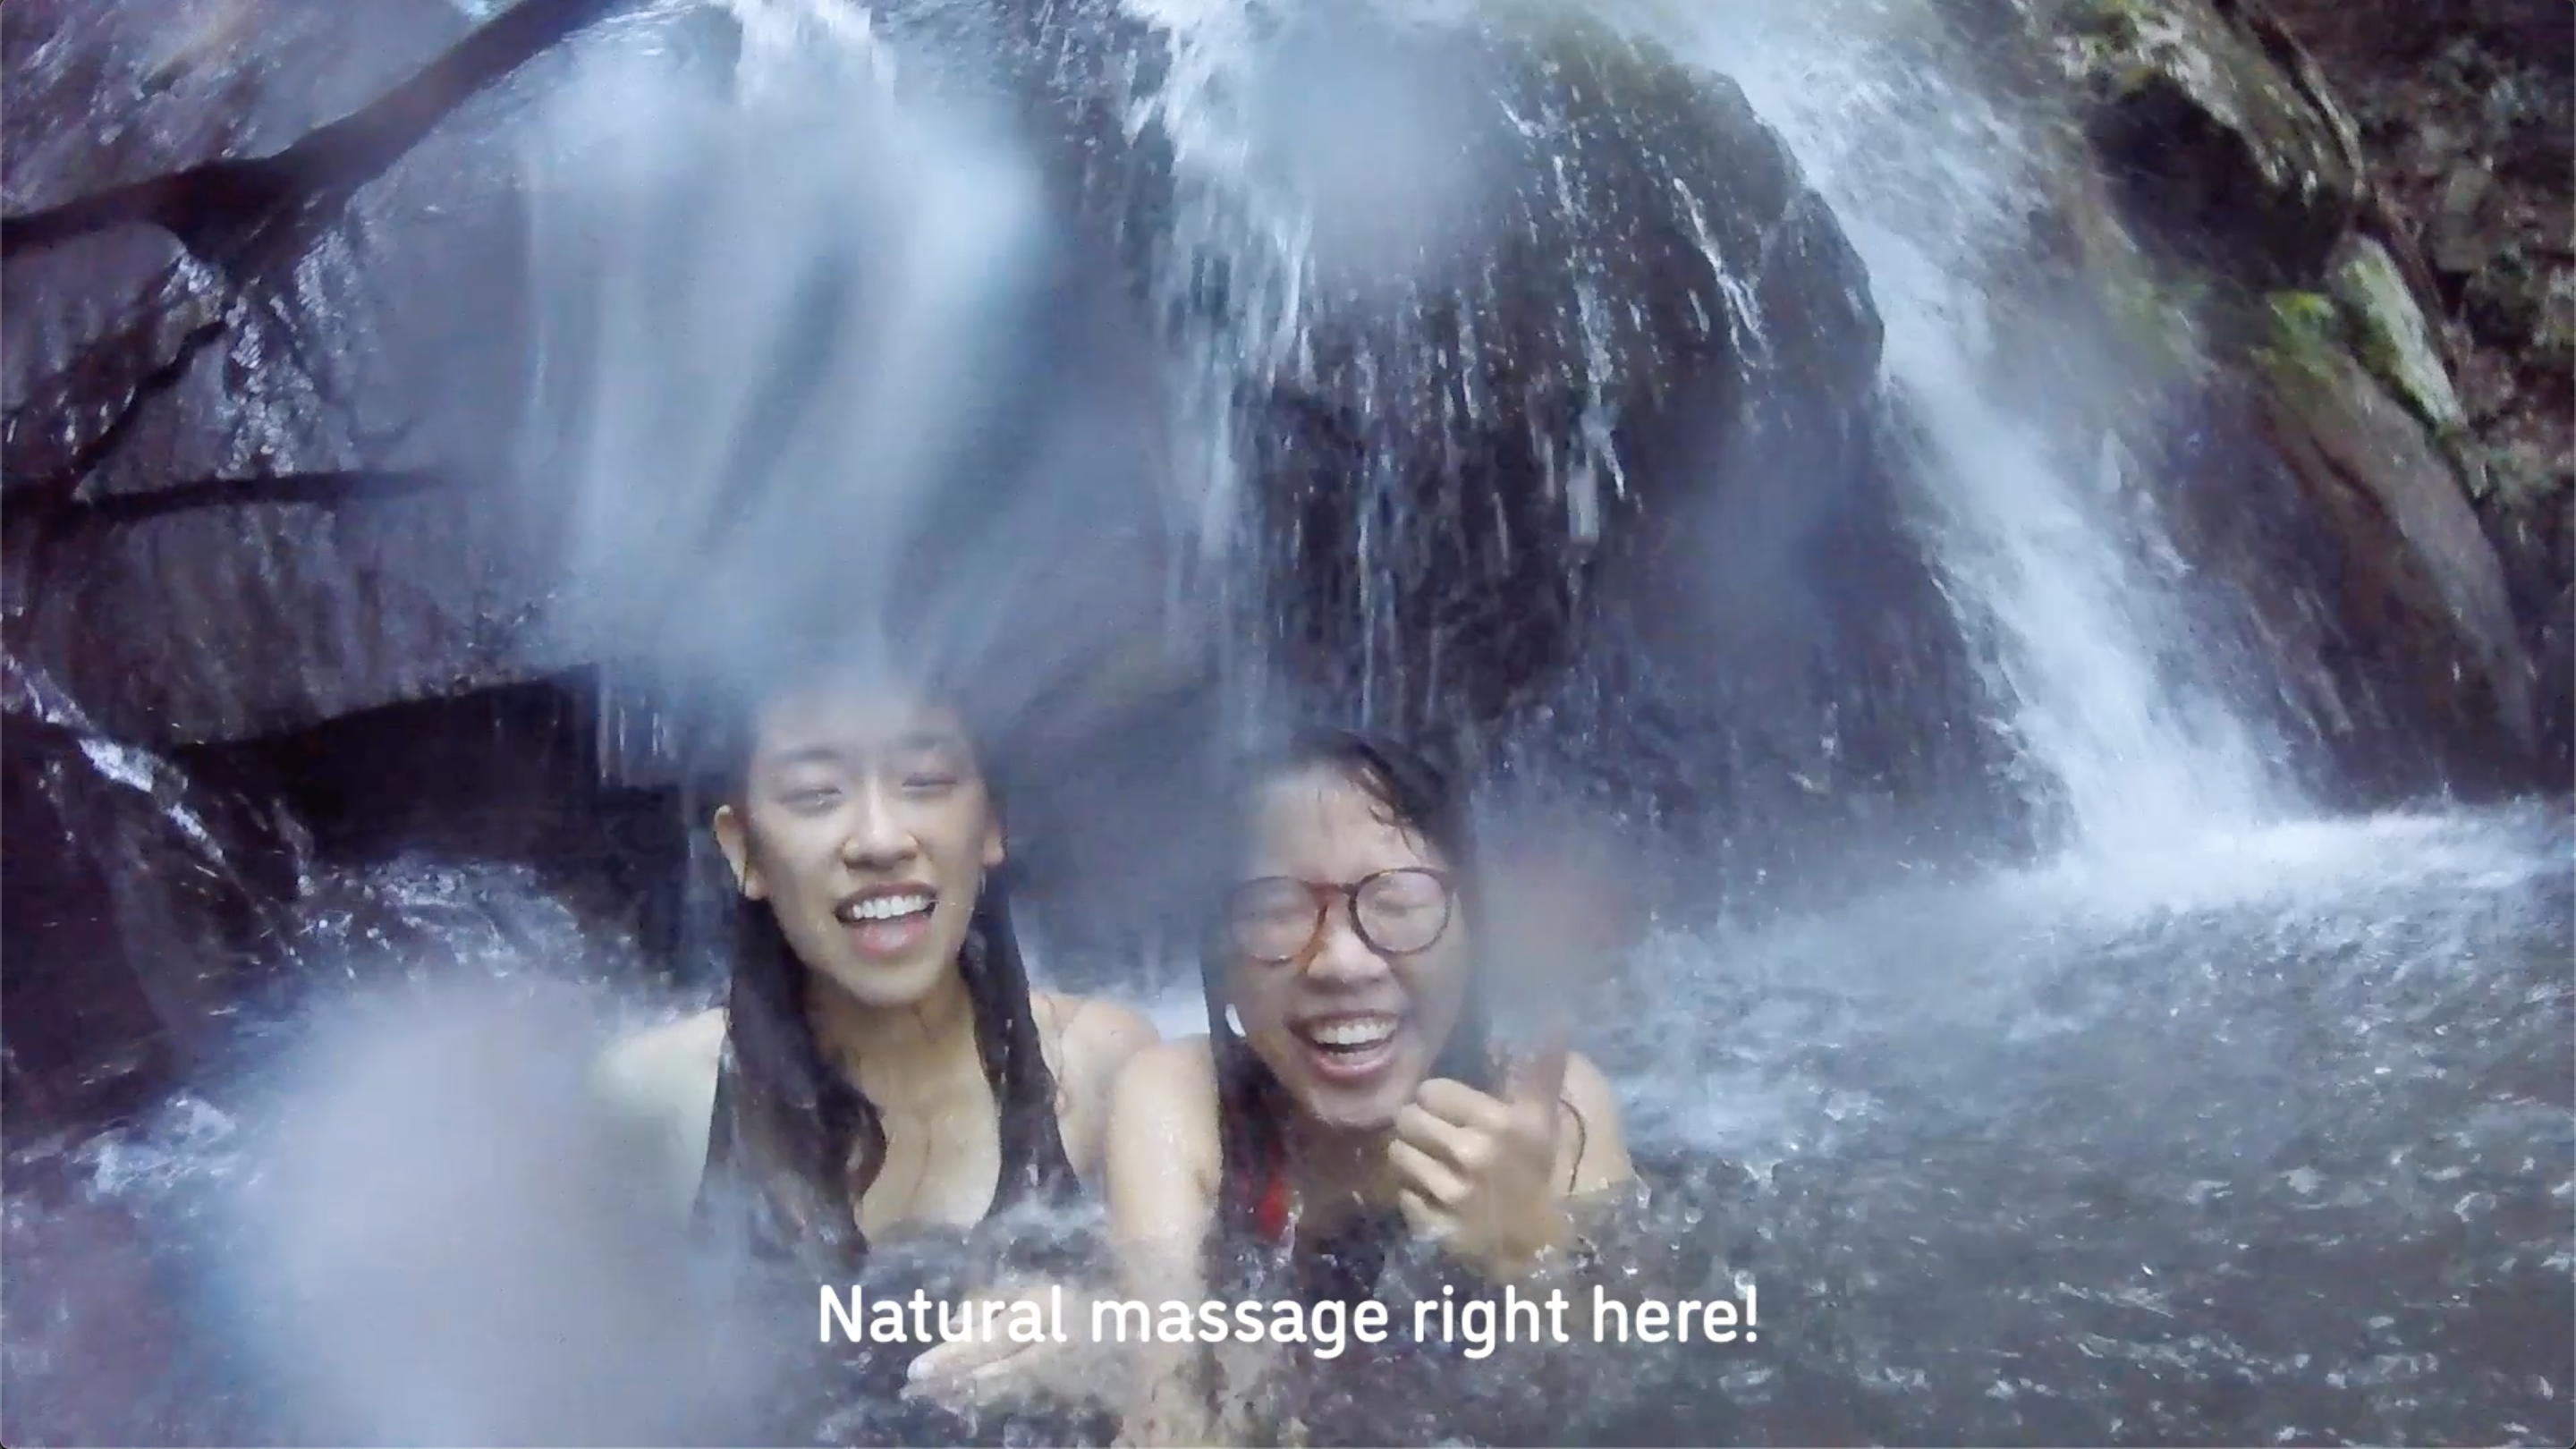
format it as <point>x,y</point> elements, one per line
<point>1034,1160</point>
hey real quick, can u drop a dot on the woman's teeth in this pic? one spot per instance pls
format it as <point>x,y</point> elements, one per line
<point>883,908</point>
<point>1351,1033</point>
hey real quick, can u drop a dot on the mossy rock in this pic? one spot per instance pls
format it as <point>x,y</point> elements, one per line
<point>2391,335</point>
<point>2304,341</point>
<point>2214,145</point>
<point>2314,341</point>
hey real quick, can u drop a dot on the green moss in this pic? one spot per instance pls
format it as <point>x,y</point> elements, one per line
<point>2389,335</point>
<point>2305,335</point>
<point>2306,314</point>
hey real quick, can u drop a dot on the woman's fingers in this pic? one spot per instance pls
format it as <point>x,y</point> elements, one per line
<point>1460,1105</point>
<point>1021,1360</point>
<point>1027,1373</point>
<point>1433,1179</point>
<point>1459,1145</point>
<point>960,1372</point>
<point>1425,1219</point>
<point>955,1357</point>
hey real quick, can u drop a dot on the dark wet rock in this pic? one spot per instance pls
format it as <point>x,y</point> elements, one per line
<point>141,904</point>
<point>501,775</point>
<point>2397,167</point>
<point>104,95</point>
<point>2468,119</point>
<point>238,380</point>
<point>167,909</point>
<point>2421,575</point>
<point>1505,349</point>
<point>2221,151</point>
<point>389,342</point>
<point>392,342</point>
<point>249,609</point>
<point>90,330</point>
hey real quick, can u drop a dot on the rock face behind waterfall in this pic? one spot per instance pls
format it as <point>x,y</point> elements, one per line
<point>264,312</point>
<point>261,362</point>
<point>2359,214</point>
<point>1488,295</point>
<point>267,344</point>
<point>1544,388</point>
<point>2469,134</point>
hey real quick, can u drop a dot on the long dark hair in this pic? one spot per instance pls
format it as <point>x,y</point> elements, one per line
<point>794,1145</point>
<point>1253,1109</point>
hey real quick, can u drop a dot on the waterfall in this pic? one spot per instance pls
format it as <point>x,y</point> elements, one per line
<point>2220,1125</point>
<point>2040,531</point>
<point>2041,556</point>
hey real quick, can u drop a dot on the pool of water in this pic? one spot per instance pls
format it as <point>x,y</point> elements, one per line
<point>2267,1140</point>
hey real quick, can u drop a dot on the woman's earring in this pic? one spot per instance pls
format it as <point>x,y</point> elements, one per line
<point>1233,1022</point>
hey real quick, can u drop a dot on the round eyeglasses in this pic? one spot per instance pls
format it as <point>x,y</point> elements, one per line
<point>1396,912</point>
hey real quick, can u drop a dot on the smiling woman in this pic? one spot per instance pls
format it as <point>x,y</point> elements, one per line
<point>881,1063</point>
<point>1351,1093</point>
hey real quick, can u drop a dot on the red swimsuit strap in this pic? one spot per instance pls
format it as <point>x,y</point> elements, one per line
<point>1270,1213</point>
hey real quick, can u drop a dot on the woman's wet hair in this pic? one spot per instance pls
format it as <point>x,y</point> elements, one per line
<point>1253,1109</point>
<point>794,1145</point>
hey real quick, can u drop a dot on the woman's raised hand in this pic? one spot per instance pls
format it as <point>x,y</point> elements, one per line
<point>1479,1173</point>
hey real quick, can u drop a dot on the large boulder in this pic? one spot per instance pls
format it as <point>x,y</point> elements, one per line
<point>268,373</point>
<point>103,96</point>
<point>1508,291</point>
<point>245,615</point>
<point>269,395</point>
<point>275,319</point>
<point>261,310</point>
<point>142,904</point>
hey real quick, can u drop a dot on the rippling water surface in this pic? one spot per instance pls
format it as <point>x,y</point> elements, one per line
<point>2272,1140</point>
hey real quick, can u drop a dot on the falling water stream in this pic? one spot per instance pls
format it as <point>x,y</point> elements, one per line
<point>2047,573</point>
<point>2215,1121</point>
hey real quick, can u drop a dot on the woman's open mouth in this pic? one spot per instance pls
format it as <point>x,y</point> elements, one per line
<point>1353,1046</point>
<point>888,923</point>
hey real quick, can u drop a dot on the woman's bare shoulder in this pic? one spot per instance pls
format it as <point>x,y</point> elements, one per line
<point>1098,1034</point>
<point>1087,1040</point>
<point>1163,1115</point>
<point>1170,1083</point>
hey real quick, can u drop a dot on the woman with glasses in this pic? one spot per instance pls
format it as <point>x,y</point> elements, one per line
<point>1347,1092</point>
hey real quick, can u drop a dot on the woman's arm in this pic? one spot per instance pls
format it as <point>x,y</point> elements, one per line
<point>1162,1162</point>
<point>1090,1041</point>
